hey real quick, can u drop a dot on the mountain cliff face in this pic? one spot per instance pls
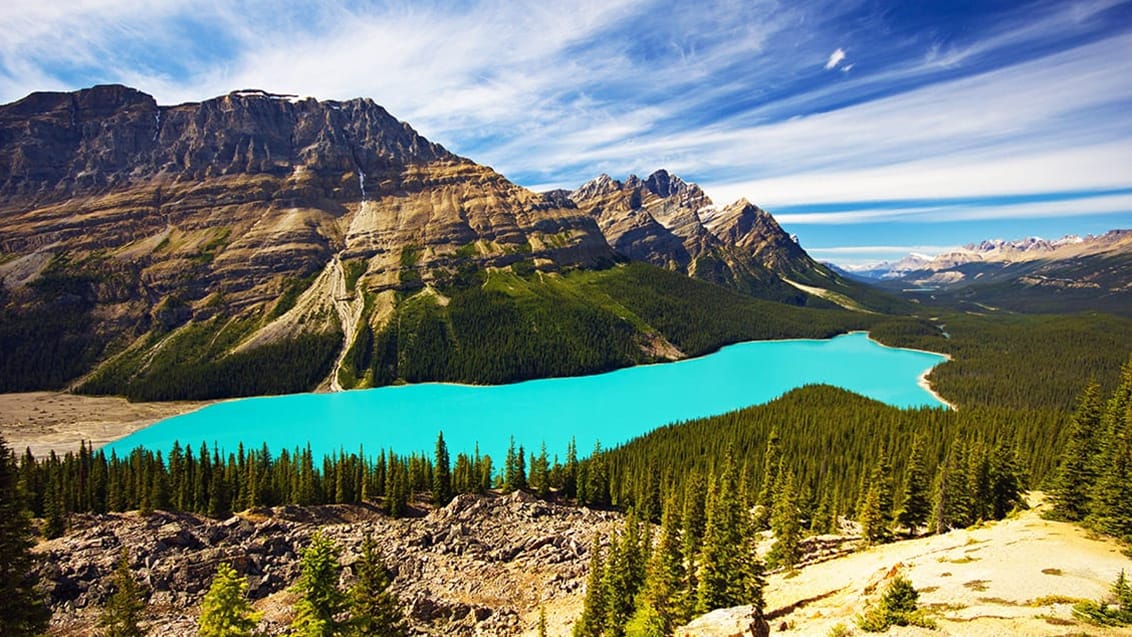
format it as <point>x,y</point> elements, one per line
<point>241,189</point>
<point>258,243</point>
<point>673,224</point>
<point>122,218</point>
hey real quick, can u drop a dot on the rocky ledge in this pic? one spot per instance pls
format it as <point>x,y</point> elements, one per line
<point>481,565</point>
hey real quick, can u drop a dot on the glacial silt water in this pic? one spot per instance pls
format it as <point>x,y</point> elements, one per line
<point>613,407</point>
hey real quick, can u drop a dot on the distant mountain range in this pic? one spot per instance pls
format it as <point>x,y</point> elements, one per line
<point>1033,274</point>
<point>255,231</point>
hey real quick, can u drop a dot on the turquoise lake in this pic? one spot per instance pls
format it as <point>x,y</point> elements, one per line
<point>613,407</point>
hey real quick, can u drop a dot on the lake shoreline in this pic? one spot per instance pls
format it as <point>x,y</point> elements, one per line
<point>922,381</point>
<point>57,421</point>
<point>46,421</point>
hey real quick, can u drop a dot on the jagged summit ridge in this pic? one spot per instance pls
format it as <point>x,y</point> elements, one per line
<point>672,223</point>
<point>290,217</point>
<point>58,145</point>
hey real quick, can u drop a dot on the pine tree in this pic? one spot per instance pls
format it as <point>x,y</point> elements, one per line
<point>540,473</point>
<point>22,610</point>
<point>1075,474</point>
<point>511,469</point>
<point>951,505</point>
<point>592,621</point>
<point>55,521</point>
<point>730,574</point>
<point>915,507</point>
<point>1005,482</point>
<point>663,598</point>
<point>694,518</point>
<point>787,526</point>
<point>374,609</point>
<point>874,527</point>
<point>624,575</point>
<point>772,461</point>
<point>1111,497</point>
<point>541,621</point>
<point>320,600</point>
<point>597,479</point>
<point>881,479</point>
<point>441,476</point>
<point>979,483</point>
<point>123,611</point>
<point>570,470</point>
<point>225,610</point>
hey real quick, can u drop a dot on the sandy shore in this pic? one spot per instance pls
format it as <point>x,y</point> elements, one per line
<point>927,385</point>
<point>52,420</point>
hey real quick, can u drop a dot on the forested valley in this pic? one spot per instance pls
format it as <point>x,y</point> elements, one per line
<point>803,464</point>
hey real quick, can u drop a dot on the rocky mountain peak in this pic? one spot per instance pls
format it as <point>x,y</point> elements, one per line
<point>169,216</point>
<point>664,184</point>
<point>599,186</point>
<point>58,145</point>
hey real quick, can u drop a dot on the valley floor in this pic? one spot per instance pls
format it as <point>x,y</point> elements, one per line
<point>46,421</point>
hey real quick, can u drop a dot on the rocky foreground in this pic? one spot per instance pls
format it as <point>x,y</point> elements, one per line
<point>480,566</point>
<point>485,565</point>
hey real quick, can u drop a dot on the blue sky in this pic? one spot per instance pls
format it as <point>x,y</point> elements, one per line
<point>868,128</point>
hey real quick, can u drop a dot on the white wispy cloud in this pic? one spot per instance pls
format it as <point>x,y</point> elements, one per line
<point>727,94</point>
<point>1116,205</point>
<point>835,58</point>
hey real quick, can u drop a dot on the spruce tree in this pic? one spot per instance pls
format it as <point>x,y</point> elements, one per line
<point>663,598</point>
<point>624,575</point>
<point>320,600</point>
<point>951,505</point>
<point>979,483</point>
<point>225,610</point>
<point>592,621</point>
<point>441,475</point>
<point>1111,497</point>
<point>123,610</point>
<point>511,468</point>
<point>540,473</point>
<point>55,521</point>
<point>694,518</point>
<point>1075,474</point>
<point>787,526</point>
<point>1122,595</point>
<point>915,506</point>
<point>730,574</point>
<point>597,479</point>
<point>23,610</point>
<point>772,461</point>
<point>878,485</point>
<point>570,470</point>
<point>1005,482</point>
<point>541,628</point>
<point>374,609</point>
<point>874,526</point>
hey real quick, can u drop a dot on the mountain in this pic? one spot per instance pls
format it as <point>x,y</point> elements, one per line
<point>885,269</point>
<point>258,243</point>
<point>1069,274</point>
<point>673,224</point>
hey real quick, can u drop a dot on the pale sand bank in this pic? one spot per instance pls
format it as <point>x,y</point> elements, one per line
<point>981,581</point>
<point>46,421</point>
